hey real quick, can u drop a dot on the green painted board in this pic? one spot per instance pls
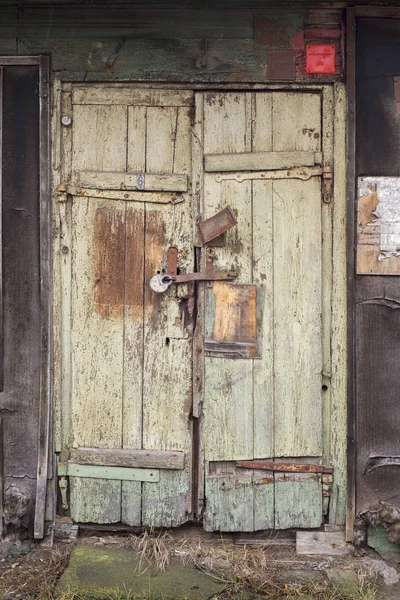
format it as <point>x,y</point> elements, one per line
<point>118,473</point>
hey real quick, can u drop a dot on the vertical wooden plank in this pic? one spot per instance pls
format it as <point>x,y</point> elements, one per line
<point>337,513</point>
<point>95,500</point>
<point>297,284</point>
<point>228,494</point>
<point>167,399</point>
<point>228,396</point>
<point>98,243</point>
<point>297,318</point>
<point>1,236</point>
<point>1,476</point>
<point>350,261</point>
<point>56,253</point>
<point>45,406</point>
<point>133,355</point>
<point>326,241</point>
<point>264,500</point>
<point>263,412</point>
<point>99,138</point>
<point>296,121</point>
<point>132,417</point>
<point>263,274</point>
<point>65,254</point>
<point>298,500</point>
<point>98,268</point>
<point>161,126</point>
<point>136,138</point>
<point>198,335</point>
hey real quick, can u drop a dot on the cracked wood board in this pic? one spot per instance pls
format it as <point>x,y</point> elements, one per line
<point>378,226</point>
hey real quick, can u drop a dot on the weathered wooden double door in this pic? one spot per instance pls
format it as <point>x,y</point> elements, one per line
<point>163,394</point>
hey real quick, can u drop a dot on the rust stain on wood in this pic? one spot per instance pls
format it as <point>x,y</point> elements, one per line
<point>155,250</point>
<point>134,263</point>
<point>235,313</point>
<point>109,272</point>
<point>283,467</point>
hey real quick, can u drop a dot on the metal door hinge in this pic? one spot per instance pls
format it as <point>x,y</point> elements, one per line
<point>327,184</point>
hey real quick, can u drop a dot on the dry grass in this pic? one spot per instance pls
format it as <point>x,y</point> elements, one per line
<point>248,572</point>
<point>35,577</point>
<point>245,570</point>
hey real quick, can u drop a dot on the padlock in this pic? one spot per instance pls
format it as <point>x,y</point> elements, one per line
<point>160,283</point>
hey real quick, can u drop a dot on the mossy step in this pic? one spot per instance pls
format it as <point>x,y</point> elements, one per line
<point>112,573</point>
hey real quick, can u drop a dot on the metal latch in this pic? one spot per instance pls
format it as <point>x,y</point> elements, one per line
<point>161,282</point>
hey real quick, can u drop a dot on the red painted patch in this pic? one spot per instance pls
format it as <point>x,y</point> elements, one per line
<point>320,58</point>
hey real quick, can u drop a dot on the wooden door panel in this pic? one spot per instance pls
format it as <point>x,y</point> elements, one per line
<point>271,406</point>
<point>131,349</point>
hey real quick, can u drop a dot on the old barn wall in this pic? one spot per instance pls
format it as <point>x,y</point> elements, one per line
<point>177,45</point>
<point>190,46</point>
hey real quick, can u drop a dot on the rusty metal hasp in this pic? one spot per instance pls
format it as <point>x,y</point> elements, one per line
<point>288,467</point>
<point>161,282</point>
<point>217,225</point>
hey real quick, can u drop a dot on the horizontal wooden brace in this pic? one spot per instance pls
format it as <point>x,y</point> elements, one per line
<point>148,459</point>
<point>284,467</point>
<point>118,473</point>
<point>128,95</point>
<point>146,182</point>
<point>303,173</point>
<point>257,161</point>
<point>128,196</point>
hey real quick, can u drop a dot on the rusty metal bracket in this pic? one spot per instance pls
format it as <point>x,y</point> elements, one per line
<point>189,277</point>
<point>288,467</point>
<point>172,261</point>
<point>303,173</point>
<point>327,484</point>
<point>217,224</point>
<point>327,183</point>
<point>63,485</point>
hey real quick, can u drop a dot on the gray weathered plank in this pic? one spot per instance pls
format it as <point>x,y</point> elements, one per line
<point>330,543</point>
<point>1,476</point>
<point>46,358</point>
<point>152,182</point>
<point>149,459</point>
<point>338,446</point>
<point>258,161</point>
<point>132,96</point>
<point>127,196</point>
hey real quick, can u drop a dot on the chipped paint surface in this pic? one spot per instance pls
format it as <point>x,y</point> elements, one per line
<point>109,274</point>
<point>378,225</point>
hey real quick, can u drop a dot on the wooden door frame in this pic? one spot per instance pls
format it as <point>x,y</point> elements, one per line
<point>44,466</point>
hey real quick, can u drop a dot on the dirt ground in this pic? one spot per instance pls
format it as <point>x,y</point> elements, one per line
<point>267,571</point>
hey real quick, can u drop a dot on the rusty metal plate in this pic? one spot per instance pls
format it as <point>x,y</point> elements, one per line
<point>217,225</point>
<point>281,66</point>
<point>233,320</point>
<point>284,467</point>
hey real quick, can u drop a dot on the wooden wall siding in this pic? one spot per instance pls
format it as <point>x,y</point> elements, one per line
<point>19,398</point>
<point>272,406</point>
<point>171,44</point>
<point>130,348</point>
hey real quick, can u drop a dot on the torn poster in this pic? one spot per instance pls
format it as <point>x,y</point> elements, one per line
<point>378,226</point>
